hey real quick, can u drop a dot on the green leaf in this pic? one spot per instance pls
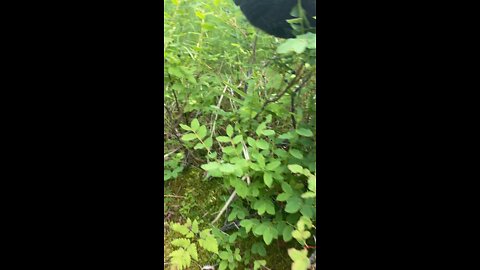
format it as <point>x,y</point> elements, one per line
<point>241,188</point>
<point>268,132</point>
<point>259,248</point>
<point>296,153</point>
<point>202,132</point>
<point>195,124</point>
<point>293,204</point>
<point>211,166</point>
<point>283,196</point>
<point>209,244</point>
<point>300,259</point>
<point>229,131</point>
<point>199,146</point>
<point>287,233</point>
<point>260,228</point>
<point>227,168</point>
<point>195,226</point>
<point>267,237</point>
<point>209,143</point>
<point>223,265</point>
<point>185,127</point>
<point>293,45</point>
<point>181,242</point>
<point>189,137</point>
<point>251,142</point>
<point>267,178</point>
<point>180,228</point>
<point>260,128</point>
<point>264,205</point>
<point>232,238</point>
<point>237,139</point>
<point>262,144</point>
<point>258,264</point>
<point>223,139</point>
<point>294,168</point>
<point>192,250</point>
<point>287,188</point>
<point>272,166</point>
<point>304,132</point>
<point>180,258</point>
<point>307,210</point>
<point>247,224</point>
<point>229,150</point>
<point>308,194</point>
<point>224,255</point>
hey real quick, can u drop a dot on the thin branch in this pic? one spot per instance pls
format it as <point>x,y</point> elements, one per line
<point>279,96</point>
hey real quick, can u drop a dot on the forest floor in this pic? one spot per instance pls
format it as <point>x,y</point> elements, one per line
<point>191,196</point>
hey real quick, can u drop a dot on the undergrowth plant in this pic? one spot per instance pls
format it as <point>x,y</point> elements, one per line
<point>190,239</point>
<point>241,107</point>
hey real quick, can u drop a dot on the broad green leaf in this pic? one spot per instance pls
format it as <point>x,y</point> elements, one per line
<point>211,166</point>
<point>294,168</point>
<point>202,132</point>
<point>224,255</point>
<point>296,153</point>
<point>262,144</point>
<point>293,204</point>
<point>223,265</point>
<point>229,131</point>
<point>237,139</point>
<point>268,132</point>
<point>209,143</point>
<point>293,45</point>
<point>199,146</point>
<point>283,196</point>
<point>307,210</point>
<point>247,224</point>
<point>195,124</point>
<point>267,237</point>
<point>185,127</point>
<point>267,178</point>
<point>272,166</point>
<point>223,139</point>
<point>258,264</point>
<point>304,132</point>
<point>287,233</point>
<point>259,248</point>
<point>189,137</point>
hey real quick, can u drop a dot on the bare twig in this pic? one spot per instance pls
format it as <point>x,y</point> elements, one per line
<point>174,196</point>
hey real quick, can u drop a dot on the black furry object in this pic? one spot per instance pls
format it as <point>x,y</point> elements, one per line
<point>271,15</point>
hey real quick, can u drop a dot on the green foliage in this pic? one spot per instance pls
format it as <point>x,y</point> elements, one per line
<point>245,114</point>
<point>181,258</point>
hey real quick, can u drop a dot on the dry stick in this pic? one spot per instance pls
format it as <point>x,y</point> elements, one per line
<point>216,114</point>
<point>171,153</point>
<point>174,196</point>
<point>232,197</point>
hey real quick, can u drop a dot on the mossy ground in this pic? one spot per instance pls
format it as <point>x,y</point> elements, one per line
<point>192,196</point>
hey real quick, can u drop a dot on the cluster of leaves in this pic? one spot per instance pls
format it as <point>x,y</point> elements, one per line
<point>181,258</point>
<point>173,167</point>
<point>281,191</point>
<point>249,125</point>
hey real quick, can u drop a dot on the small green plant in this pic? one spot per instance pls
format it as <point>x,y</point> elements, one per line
<point>172,167</point>
<point>186,251</point>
